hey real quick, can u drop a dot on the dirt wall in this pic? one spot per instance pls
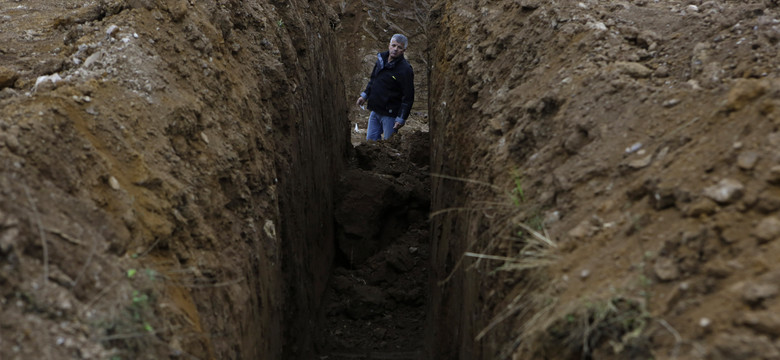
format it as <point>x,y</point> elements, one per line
<point>148,187</point>
<point>641,136</point>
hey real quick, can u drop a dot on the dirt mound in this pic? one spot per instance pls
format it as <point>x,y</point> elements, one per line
<point>641,135</point>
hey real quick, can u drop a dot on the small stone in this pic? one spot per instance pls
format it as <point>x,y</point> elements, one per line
<point>768,201</point>
<point>204,137</point>
<point>692,8</point>
<point>11,141</point>
<point>726,191</point>
<point>671,102</point>
<point>765,322</point>
<point>8,238</point>
<point>552,217</point>
<point>634,147</point>
<point>754,294</point>
<point>633,69</point>
<point>774,175</point>
<point>666,269</point>
<point>114,183</point>
<point>584,273</point>
<point>767,230</point>
<point>112,29</point>
<point>641,162</point>
<point>744,92</point>
<point>747,160</point>
<point>7,77</point>
<point>705,322</point>
<point>661,72</point>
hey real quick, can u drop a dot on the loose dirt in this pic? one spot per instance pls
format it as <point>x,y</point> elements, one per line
<point>375,305</point>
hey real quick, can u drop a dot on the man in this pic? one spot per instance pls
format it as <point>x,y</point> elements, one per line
<point>390,91</point>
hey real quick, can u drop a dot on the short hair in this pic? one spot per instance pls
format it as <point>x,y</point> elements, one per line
<point>401,40</point>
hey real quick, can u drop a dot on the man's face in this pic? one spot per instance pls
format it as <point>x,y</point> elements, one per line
<point>396,49</point>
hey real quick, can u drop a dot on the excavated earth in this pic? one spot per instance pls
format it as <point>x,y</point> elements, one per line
<point>578,180</point>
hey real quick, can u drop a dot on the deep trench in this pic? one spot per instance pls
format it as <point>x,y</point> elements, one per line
<point>375,301</point>
<point>360,291</point>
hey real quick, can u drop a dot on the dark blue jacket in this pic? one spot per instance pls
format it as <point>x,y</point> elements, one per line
<point>390,92</point>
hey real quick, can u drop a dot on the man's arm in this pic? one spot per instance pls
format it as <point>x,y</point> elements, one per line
<point>407,100</point>
<point>364,95</point>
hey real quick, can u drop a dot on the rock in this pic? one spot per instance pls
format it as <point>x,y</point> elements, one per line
<point>774,175</point>
<point>633,69</point>
<point>747,160</point>
<point>114,183</point>
<point>702,206</point>
<point>8,238</point>
<point>661,72</point>
<point>178,10</point>
<point>767,230</point>
<point>641,162</point>
<point>744,92</point>
<point>756,293</point>
<point>575,141</point>
<point>671,103</point>
<point>765,322</point>
<point>743,346</point>
<point>666,269</point>
<point>586,228</point>
<point>726,191</point>
<point>7,77</point>
<point>768,201</point>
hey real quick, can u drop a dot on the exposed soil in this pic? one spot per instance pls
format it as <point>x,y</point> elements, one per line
<point>642,135</point>
<point>375,305</point>
<point>184,187</point>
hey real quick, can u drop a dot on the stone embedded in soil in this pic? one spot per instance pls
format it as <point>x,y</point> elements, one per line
<point>765,322</point>
<point>7,77</point>
<point>641,162</point>
<point>8,238</point>
<point>747,160</point>
<point>666,269</point>
<point>743,92</point>
<point>768,229</point>
<point>730,346</point>
<point>774,175</point>
<point>726,191</point>
<point>702,206</point>
<point>755,293</point>
<point>586,228</point>
<point>633,69</point>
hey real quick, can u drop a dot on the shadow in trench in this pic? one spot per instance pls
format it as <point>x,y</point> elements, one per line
<point>375,303</point>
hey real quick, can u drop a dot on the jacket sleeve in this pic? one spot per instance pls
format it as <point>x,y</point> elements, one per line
<point>367,91</point>
<point>407,100</point>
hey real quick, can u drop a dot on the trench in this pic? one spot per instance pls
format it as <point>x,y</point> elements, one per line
<point>358,283</point>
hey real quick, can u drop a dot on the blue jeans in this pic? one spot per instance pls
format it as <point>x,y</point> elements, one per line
<point>378,124</point>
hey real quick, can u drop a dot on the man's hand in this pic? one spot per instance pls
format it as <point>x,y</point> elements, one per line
<point>360,101</point>
<point>397,125</point>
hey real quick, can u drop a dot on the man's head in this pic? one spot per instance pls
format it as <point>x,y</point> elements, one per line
<point>397,47</point>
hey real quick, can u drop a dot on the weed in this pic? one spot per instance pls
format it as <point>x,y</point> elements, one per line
<point>517,194</point>
<point>617,323</point>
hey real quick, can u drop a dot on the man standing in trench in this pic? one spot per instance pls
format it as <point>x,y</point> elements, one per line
<point>390,91</point>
